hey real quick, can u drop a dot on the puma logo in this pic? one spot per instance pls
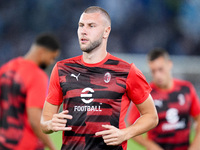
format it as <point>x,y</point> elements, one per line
<point>73,75</point>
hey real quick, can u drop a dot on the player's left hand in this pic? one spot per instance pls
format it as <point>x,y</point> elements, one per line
<point>112,136</point>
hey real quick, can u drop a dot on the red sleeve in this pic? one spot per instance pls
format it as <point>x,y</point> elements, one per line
<point>55,95</point>
<point>37,89</point>
<point>195,107</point>
<point>137,87</point>
<point>133,114</point>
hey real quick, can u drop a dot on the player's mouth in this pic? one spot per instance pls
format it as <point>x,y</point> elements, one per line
<point>84,40</point>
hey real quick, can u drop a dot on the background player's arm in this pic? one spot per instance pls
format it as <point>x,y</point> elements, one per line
<point>52,121</point>
<point>34,115</point>
<point>147,121</point>
<point>148,144</point>
<point>196,144</point>
<point>36,93</point>
<point>142,140</point>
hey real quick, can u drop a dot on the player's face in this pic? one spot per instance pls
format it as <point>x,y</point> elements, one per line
<point>161,71</point>
<point>91,30</point>
<point>48,58</point>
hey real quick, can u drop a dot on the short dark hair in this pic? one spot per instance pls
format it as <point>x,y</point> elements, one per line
<point>93,9</point>
<point>156,53</point>
<point>48,41</point>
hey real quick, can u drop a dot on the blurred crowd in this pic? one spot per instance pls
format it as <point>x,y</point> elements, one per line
<point>137,25</point>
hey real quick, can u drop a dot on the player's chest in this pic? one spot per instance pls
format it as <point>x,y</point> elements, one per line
<point>179,100</point>
<point>93,79</point>
<point>173,109</point>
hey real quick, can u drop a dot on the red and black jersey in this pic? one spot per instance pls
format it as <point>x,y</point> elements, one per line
<point>95,95</point>
<point>12,103</point>
<point>174,106</point>
<point>22,85</point>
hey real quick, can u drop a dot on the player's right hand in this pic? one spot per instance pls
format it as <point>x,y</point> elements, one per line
<point>59,121</point>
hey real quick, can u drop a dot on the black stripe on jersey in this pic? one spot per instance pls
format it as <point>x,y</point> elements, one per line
<point>13,88</point>
<point>107,95</point>
<point>92,145</point>
<point>77,101</point>
<point>96,143</point>
<point>88,137</point>
<point>166,135</point>
<point>173,96</point>
<point>169,146</point>
<point>78,120</point>
<point>100,95</point>
<point>72,146</point>
<point>79,86</point>
<point>122,85</point>
<point>3,147</point>
<point>12,141</point>
<point>94,70</point>
<point>111,62</point>
<point>93,118</point>
<point>72,133</point>
<point>12,112</point>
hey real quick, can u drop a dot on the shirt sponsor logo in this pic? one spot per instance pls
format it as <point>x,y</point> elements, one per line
<point>179,125</point>
<point>87,97</point>
<point>87,108</point>
<point>173,118</point>
<point>172,115</point>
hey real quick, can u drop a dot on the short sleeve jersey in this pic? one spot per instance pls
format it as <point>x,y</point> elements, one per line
<point>22,85</point>
<point>95,95</point>
<point>174,106</point>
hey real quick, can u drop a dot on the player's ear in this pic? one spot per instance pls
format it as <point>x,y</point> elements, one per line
<point>107,32</point>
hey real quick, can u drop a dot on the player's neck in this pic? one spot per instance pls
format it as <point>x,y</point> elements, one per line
<point>94,56</point>
<point>168,86</point>
<point>32,56</point>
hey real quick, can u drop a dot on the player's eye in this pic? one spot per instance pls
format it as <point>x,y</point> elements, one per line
<point>92,25</point>
<point>80,25</point>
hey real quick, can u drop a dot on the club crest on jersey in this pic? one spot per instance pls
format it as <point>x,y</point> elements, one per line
<point>181,99</point>
<point>107,77</point>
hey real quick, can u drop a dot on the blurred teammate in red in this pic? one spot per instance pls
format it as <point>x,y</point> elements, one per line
<point>23,88</point>
<point>176,101</point>
<point>95,89</point>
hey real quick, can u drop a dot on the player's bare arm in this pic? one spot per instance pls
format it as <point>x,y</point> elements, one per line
<point>147,121</point>
<point>52,121</point>
<point>195,145</point>
<point>34,115</point>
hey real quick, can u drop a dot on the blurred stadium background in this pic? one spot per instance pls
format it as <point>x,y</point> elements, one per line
<point>137,27</point>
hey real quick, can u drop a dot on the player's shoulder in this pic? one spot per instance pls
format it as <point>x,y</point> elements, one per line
<point>31,69</point>
<point>119,63</point>
<point>181,82</point>
<point>12,62</point>
<point>112,57</point>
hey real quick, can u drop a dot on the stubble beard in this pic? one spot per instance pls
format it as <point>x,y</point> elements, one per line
<point>91,46</point>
